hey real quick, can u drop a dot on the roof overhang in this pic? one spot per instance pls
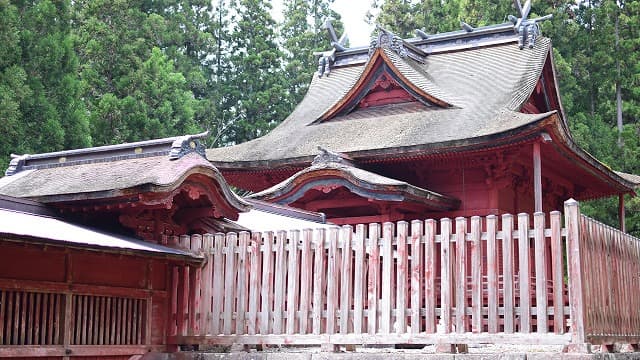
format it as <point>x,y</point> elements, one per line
<point>363,184</point>
<point>16,226</point>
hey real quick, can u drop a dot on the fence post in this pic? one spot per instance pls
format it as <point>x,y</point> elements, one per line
<point>574,264</point>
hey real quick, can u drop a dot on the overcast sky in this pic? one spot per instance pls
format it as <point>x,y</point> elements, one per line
<point>353,15</point>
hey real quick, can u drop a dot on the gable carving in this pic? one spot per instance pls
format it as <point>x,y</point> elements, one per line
<point>381,83</point>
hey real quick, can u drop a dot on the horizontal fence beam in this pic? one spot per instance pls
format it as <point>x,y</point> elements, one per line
<point>378,339</point>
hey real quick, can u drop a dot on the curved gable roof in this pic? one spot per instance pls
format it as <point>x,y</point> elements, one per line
<point>487,85</point>
<point>360,182</point>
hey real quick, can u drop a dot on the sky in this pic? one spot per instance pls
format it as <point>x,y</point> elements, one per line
<point>353,16</point>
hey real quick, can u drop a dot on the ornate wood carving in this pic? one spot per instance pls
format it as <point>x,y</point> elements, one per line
<point>385,90</point>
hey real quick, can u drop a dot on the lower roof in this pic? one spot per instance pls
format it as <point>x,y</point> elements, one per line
<point>36,228</point>
<point>327,175</point>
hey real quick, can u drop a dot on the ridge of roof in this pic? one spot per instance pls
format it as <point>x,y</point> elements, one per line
<point>438,43</point>
<point>175,147</point>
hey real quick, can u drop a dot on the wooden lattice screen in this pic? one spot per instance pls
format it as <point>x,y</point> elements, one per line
<point>102,320</point>
<point>30,318</point>
<point>37,318</point>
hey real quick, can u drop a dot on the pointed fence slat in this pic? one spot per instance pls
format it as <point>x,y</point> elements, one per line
<point>540,273</point>
<point>430,276</point>
<point>387,273</point>
<point>492,275</point>
<point>243,281</point>
<point>401,277</point>
<point>332,280</point>
<point>292,282</point>
<point>359,280</point>
<point>207,285</point>
<point>255,275</point>
<point>446,275</point>
<point>461,275</point>
<point>557,273</point>
<point>266,289</point>
<point>524,273</point>
<point>306,279</point>
<point>476,275</point>
<point>229,284</point>
<point>507,272</point>
<point>373,280</point>
<point>280,276</point>
<point>346,285</point>
<point>416,275</point>
<point>318,280</point>
<point>218,283</point>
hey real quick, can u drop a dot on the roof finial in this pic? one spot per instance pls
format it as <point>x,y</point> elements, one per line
<point>188,144</point>
<point>389,40</point>
<point>328,57</point>
<point>16,164</point>
<point>328,156</point>
<point>527,29</point>
<point>466,27</point>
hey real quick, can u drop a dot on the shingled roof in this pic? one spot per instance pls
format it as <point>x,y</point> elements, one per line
<point>486,80</point>
<point>112,171</point>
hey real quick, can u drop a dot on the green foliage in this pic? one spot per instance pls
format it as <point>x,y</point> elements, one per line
<point>41,107</point>
<point>254,83</point>
<point>403,17</point>
<point>134,90</point>
<point>303,35</point>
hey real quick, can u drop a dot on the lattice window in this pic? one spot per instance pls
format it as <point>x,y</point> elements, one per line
<point>30,318</point>
<point>101,320</point>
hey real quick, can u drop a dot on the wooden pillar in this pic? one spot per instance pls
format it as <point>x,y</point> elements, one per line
<point>537,177</point>
<point>67,331</point>
<point>621,213</point>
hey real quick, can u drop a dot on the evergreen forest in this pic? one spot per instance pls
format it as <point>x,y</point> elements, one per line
<point>96,72</point>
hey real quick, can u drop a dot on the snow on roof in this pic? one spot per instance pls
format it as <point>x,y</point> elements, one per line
<point>260,220</point>
<point>21,225</point>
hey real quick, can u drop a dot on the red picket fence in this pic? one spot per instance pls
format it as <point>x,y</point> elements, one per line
<point>478,280</point>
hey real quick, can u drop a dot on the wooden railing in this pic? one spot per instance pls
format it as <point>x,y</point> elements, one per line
<point>478,280</point>
<point>606,262</point>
